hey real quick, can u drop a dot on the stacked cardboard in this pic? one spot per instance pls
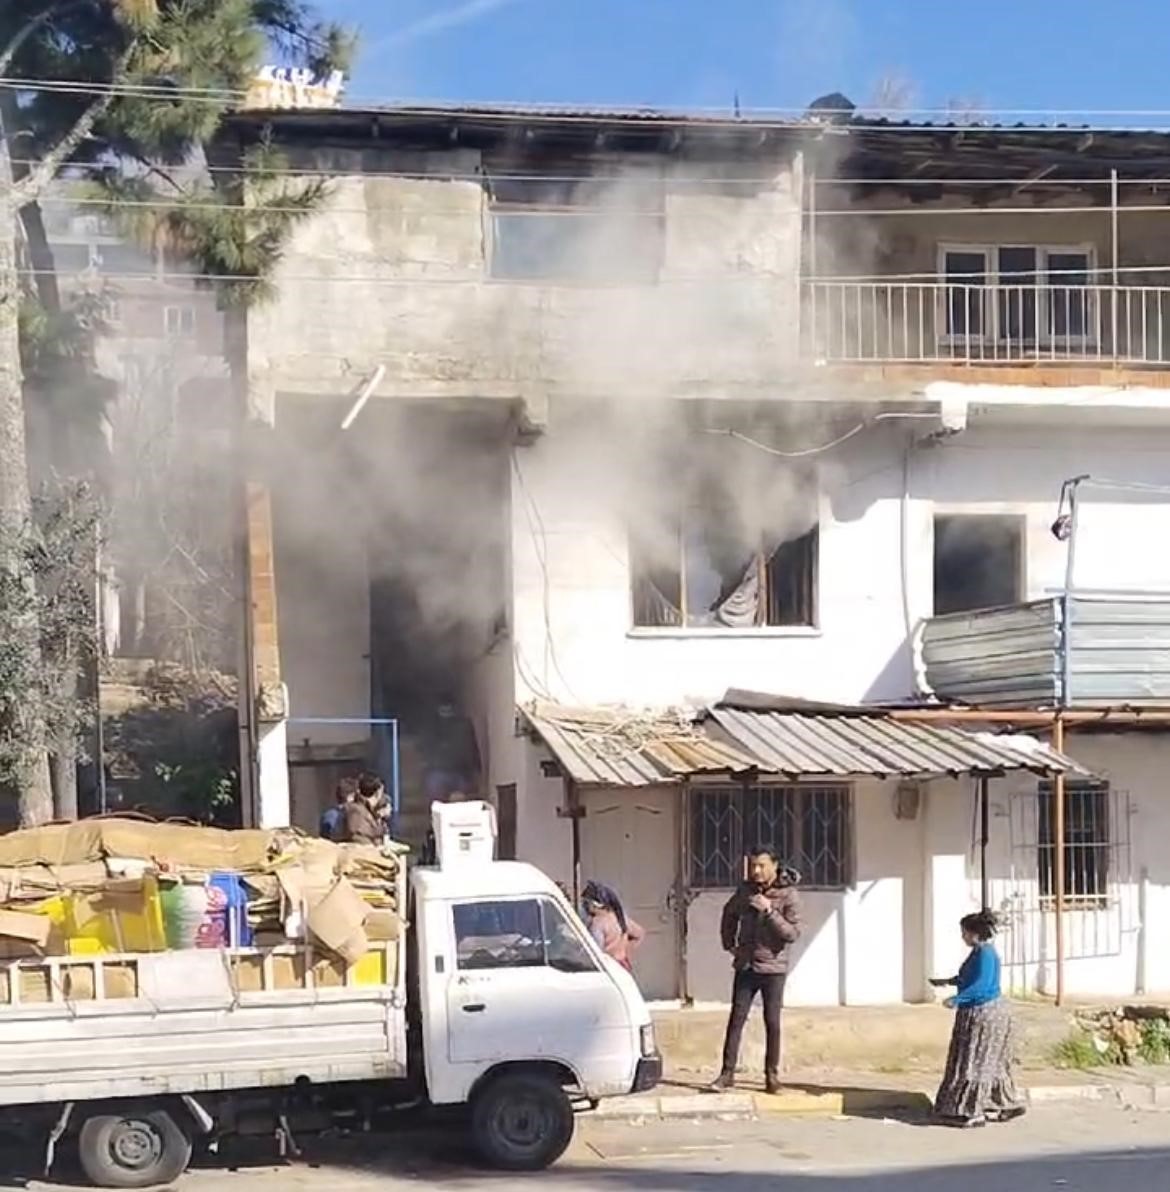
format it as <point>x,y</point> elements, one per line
<point>102,886</point>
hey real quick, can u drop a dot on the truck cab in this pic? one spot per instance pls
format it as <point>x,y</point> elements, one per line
<point>521,1012</point>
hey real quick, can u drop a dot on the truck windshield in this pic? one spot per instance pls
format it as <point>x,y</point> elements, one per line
<point>518,933</point>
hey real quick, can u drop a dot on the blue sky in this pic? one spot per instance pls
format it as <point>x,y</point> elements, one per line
<point>1007,54</point>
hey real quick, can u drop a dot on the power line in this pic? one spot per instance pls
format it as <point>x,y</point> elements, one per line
<point>483,281</point>
<point>1019,181</point>
<point>669,181</point>
<point>891,281</point>
<point>573,209</point>
<point>799,117</point>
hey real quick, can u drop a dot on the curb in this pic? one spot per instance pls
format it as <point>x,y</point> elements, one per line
<point>850,1103</point>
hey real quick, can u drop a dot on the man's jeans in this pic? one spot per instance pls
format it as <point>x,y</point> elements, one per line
<point>770,987</point>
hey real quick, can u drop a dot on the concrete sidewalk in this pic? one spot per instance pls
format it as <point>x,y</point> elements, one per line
<point>893,1040</point>
<point>861,1094</point>
<point>866,1061</point>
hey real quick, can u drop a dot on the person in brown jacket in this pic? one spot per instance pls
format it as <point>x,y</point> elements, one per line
<point>760,921</point>
<point>368,812</point>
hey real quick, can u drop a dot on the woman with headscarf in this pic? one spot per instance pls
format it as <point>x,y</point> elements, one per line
<point>616,934</point>
<point>978,1085</point>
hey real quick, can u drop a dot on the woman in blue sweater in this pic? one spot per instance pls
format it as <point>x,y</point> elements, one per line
<point>978,1085</point>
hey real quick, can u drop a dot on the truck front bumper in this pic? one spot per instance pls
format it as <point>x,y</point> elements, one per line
<point>648,1074</point>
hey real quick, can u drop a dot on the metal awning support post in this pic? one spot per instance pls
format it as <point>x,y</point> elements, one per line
<point>574,813</point>
<point>1058,875</point>
<point>984,839</point>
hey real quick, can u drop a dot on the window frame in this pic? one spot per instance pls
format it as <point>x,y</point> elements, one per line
<point>1100,850</point>
<point>569,210</point>
<point>543,903</point>
<point>991,333</point>
<point>1021,520</point>
<point>846,863</point>
<point>760,627</point>
<point>180,309</point>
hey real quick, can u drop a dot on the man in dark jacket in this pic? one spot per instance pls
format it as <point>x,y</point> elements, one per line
<point>760,921</point>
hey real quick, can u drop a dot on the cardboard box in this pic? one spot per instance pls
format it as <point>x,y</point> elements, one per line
<point>384,926</point>
<point>32,929</point>
<point>337,922</point>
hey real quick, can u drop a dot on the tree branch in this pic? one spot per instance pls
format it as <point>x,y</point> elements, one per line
<point>30,188</point>
<point>13,47</point>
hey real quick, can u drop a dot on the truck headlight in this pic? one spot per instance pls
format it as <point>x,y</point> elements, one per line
<point>647,1041</point>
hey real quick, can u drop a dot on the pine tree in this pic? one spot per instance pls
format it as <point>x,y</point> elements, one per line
<point>136,86</point>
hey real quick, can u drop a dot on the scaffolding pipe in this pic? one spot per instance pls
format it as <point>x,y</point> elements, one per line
<point>1058,874</point>
<point>1114,228</point>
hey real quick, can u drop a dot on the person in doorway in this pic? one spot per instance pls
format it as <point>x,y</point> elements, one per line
<point>615,932</point>
<point>367,815</point>
<point>332,826</point>
<point>452,755</point>
<point>977,1085</point>
<point>760,921</point>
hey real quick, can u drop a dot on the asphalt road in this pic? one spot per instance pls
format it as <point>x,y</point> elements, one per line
<point>1069,1147</point>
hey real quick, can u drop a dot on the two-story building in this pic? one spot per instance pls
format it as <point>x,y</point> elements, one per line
<point>585,418</point>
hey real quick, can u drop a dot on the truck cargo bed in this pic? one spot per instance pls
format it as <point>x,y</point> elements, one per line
<point>109,1026</point>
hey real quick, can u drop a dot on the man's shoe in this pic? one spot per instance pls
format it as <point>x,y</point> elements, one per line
<point>722,1083</point>
<point>772,1085</point>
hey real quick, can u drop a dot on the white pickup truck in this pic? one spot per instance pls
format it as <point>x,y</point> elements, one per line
<point>495,999</point>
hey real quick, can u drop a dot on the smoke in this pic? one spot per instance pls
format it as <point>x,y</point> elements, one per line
<point>640,311</point>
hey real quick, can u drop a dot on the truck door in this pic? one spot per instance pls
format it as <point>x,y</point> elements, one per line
<point>527,986</point>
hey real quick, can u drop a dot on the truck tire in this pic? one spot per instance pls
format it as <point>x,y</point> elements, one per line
<point>133,1149</point>
<point>522,1121</point>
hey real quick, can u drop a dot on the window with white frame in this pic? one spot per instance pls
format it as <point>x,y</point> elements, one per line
<point>1025,294</point>
<point>809,825</point>
<point>179,321</point>
<point>717,553</point>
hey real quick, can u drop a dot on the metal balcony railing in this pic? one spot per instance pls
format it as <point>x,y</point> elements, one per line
<point>916,322</point>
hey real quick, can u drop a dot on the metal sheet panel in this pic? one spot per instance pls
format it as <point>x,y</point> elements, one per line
<point>609,747</point>
<point>1119,654</point>
<point>998,656</point>
<point>798,744</point>
<point>1119,651</point>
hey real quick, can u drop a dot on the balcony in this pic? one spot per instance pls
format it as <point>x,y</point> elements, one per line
<point>1080,652</point>
<point>915,322</point>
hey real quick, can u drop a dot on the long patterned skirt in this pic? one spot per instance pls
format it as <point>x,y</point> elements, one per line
<point>978,1079</point>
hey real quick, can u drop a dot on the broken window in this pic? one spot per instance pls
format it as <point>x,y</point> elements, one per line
<point>702,568</point>
<point>978,562</point>
<point>582,230</point>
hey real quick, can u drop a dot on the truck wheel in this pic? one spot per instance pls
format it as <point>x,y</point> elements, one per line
<point>522,1121</point>
<point>135,1149</point>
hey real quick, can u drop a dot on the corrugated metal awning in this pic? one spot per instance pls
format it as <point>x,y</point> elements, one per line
<point>616,747</point>
<point>795,743</point>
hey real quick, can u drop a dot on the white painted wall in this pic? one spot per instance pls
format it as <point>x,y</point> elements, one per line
<point>570,616</point>
<point>862,946</point>
<point>571,582</point>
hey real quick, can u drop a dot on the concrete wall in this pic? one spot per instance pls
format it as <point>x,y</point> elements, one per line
<point>907,242</point>
<point>395,272</point>
<point>861,946</point>
<point>1115,949</point>
<point>571,579</point>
